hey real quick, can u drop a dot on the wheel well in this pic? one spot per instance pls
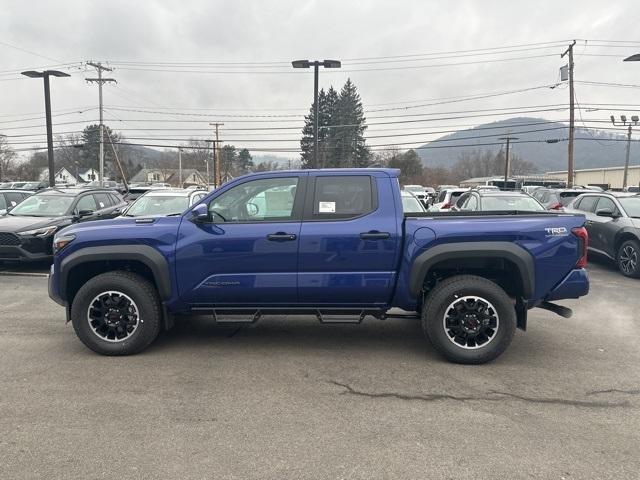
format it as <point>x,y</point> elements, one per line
<point>501,271</point>
<point>623,238</point>
<point>79,274</point>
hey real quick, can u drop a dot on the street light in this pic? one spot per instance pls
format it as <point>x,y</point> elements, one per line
<point>623,119</point>
<point>47,107</point>
<point>315,64</point>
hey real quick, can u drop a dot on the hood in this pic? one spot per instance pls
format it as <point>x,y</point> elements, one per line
<point>15,224</point>
<point>118,222</point>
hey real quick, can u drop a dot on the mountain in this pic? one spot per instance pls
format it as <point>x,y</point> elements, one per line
<point>546,156</point>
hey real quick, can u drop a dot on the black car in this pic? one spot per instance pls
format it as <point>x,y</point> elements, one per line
<point>10,198</point>
<point>485,200</point>
<point>26,232</point>
<point>613,223</point>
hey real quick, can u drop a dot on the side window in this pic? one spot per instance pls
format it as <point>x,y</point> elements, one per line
<point>340,197</point>
<point>462,201</point>
<point>14,198</point>
<point>85,203</point>
<point>3,204</point>
<point>103,200</point>
<point>588,204</point>
<point>606,204</point>
<point>264,200</point>
<point>442,196</point>
<point>472,204</point>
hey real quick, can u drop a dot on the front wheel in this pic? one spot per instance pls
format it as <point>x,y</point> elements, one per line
<point>469,319</point>
<point>116,313</point>
<point>629,259</point>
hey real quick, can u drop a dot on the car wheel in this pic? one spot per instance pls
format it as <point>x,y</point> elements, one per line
<point>116,313</point>
<point>469,319</point>
<point>629,258</point>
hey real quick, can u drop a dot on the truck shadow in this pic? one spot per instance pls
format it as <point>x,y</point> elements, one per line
<point>299,334</point>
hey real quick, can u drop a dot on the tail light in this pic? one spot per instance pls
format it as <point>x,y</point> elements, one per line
<point>583,244</point>
<point>556,206</point>
<point>446,205</point>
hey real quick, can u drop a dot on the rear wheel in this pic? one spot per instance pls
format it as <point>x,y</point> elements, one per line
<point>469,319</point>
<point>629,258</point>
<point>116,313</point>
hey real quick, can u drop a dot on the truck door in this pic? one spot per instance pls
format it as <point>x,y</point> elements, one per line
<point>246,254</point>
<point>348,240</point>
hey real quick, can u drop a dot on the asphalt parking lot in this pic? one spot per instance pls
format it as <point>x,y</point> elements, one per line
<point>290,398</point>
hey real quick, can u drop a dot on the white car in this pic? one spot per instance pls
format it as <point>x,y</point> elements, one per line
<point>421,193</point>
<point>410,203</point>
<point>446,199</point>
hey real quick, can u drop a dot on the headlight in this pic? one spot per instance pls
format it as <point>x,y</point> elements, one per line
<point>59,242</point>
<point>40,232</point>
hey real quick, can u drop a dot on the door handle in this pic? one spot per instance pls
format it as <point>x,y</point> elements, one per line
<point>375,235</point>
<point>281,237</point>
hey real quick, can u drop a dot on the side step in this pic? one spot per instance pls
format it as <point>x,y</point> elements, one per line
<point>252,315</point>
<point>557,309</point>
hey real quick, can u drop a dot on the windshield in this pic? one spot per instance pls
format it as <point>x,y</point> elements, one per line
<point>414,188</point>
<point>631,205</point>
<point>526,204</point>
<point>411,204</point>
<point>158,205</point>
<point>43,206</point>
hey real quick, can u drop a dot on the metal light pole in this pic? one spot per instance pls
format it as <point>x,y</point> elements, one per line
<point>632,58</point>
<point>316,64</point>
<point>47,108</point>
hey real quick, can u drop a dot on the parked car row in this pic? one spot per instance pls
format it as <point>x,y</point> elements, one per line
<point>30,220</point>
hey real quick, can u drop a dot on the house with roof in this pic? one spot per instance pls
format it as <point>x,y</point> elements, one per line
<point>88,175</point>
<point>190,176</point>
<point>62,176</point>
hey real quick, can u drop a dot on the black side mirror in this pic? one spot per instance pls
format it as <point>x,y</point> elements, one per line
<point>85,213</point>
<point>606,212</point>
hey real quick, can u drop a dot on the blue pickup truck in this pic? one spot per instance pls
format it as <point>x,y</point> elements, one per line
<point>334,244</point>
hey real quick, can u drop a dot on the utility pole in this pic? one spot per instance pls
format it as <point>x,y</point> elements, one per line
<point>180,166</point>
<point>569,51</point>
<point>634,120</point>
<point>100,81</point>
<point>216,157</point>
<point>508,138</point>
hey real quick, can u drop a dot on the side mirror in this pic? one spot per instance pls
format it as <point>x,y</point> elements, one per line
<point>85,213</point>
<point>200,213</point>
<point>606,212</point>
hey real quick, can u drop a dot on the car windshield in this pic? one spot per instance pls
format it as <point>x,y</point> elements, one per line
<point>521,203</point>
<point>410,204</point>
<point>631,205</point>
<point>158,205</point>
<point>43,206</point>
<point>413,188</point>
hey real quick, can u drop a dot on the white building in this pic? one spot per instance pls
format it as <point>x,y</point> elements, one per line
<point>609,177</point>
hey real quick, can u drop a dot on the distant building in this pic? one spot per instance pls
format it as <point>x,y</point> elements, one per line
<point>607,177</point>
<point>62,176</point>
<point>88,175</point>
<point>190,176</point>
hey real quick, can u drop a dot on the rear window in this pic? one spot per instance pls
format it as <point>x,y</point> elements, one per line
<point>567,197</point>
<point>343,196</point>
<point>525,204</point>
<point>588,204</point>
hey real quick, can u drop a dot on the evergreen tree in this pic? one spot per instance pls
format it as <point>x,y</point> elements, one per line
<point>338,146</point>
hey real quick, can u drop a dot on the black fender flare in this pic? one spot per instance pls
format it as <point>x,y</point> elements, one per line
<point>629,232</point>
<point>451,251</point>
<point>145,254</point>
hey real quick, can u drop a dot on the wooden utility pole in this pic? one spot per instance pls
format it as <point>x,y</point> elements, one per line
<point>569,51</point>
<point>508,138</point>
<point>216,157</point>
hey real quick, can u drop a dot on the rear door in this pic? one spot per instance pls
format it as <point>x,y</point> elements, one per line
<point>247,253</point>
<point>604,229</point>
<point>587,205</point>
<point>348,240</point>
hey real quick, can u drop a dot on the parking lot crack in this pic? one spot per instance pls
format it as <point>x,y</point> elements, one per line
<point>614,390</point>
<point>491,396</point>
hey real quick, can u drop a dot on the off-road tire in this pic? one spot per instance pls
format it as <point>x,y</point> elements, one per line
<point>452,290</point>
<point>137,288</point>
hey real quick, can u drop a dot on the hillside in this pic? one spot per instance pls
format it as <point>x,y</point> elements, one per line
<point>547,156</point>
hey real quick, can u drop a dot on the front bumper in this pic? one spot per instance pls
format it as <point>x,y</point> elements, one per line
<point>54,293</point>
<point>574,285</point>
<point>25,248</point>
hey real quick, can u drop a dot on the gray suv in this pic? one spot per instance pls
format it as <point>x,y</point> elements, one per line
<point>613,223</point>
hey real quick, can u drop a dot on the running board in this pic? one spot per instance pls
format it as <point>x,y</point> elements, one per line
<point>327,316</point>
<point>557,309</point>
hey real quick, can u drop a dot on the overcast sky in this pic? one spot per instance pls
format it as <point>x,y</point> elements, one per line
<point>279,31</point>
